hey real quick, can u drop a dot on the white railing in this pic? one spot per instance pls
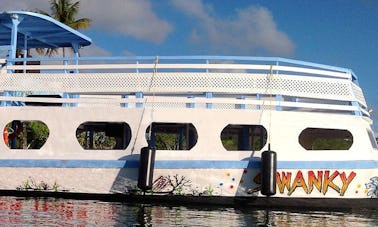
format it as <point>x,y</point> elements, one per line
<point>219,67</point>
<point>181,77</point>
<point>182,62</point>
<point>180,101</point>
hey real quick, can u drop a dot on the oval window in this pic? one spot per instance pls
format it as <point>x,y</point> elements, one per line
<point>103,135</point>
<point>25,134</point>
<point>243,137</point>
<point>172,136</point>
<point>325,139</point>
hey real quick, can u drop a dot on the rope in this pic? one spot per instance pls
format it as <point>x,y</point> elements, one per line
<point>153,96</point>
<point>270,78</point>
<point>154,72</point>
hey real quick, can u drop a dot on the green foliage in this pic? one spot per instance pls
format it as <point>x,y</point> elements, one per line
<point>33,134</point>
<point>331,144</point>
<point>172,136</point>
<point>100,141</point>
<point>30,183</point>
<point>167,141</point>
<point>26,185</point>
<point>243,137</point>
<point>229,143</point>
<point>37,134</point>
<point>55,187</point>
<point>209,190</point>
<point>64,11</point>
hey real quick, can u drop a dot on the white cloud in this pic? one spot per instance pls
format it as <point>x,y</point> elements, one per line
<point>133,18</point>
<point>128,53</point>
<point>26,5</point>
<point>88,51</point>
<point>96,51</point>
<point>252,28</point>
<point>93,50</point>
<point>195,37</point>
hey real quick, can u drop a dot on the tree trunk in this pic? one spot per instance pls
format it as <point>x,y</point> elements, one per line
<point>25,135</point>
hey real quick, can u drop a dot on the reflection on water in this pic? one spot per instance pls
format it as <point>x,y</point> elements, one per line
<point>62,212</point>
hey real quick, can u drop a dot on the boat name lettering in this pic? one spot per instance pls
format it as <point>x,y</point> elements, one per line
<point>322,181</point>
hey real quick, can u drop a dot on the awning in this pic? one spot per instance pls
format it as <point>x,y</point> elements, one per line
<point>39,31</point>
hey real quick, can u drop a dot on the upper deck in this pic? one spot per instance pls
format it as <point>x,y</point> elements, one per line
<point>210,82</point>
<point>207,81</point>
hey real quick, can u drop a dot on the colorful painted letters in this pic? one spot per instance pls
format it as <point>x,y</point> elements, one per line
<point>322,181</point>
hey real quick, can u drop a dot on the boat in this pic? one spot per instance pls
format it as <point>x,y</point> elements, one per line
<point>210,129</point>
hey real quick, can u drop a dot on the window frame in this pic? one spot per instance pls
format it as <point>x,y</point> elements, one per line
<point>14,134</point>
<point>99,135</point>
<point>315,139</point>
<point>237,136</point>
<point>178,139</point>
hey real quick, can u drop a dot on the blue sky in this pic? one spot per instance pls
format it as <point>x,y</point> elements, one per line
<point>340,32</point>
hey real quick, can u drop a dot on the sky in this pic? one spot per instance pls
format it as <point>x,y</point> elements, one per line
<point>341,33</point>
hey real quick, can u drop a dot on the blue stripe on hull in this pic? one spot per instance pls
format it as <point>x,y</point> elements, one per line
<point>257,164</point>
<point>51,163</point>
<point>187,164</point>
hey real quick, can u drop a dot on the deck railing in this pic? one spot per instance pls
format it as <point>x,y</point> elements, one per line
<point>183,81</point>
<point>190,63</point>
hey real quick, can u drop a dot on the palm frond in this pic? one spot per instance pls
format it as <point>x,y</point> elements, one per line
<point>43,12</point>
<point>65,12</point>
<point>72,11</point>
<point>82,23</point>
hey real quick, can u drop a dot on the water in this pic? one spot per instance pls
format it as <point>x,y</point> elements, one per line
<point>64,212</point>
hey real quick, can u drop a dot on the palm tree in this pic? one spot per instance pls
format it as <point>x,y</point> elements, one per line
<point>65,11</point>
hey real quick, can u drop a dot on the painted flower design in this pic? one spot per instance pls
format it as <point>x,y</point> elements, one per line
<point>372,187</point>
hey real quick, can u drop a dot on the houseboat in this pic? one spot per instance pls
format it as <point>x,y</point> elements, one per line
<point>262,130</point>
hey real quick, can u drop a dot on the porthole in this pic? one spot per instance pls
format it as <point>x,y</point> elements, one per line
<point>103,135</point>
<point>172,136</point>
<point>325,139</point>
<point>25,134</point>
<point>243,137</point>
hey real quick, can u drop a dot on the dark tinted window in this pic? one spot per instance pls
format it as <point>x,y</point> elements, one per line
<point>243,137</point>
<point>104,135</point>
<point>325,139</point>
<point>172,136</point>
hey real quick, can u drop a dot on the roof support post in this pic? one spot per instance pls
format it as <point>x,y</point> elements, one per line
<point>75,47</point>
<point>12,55</point>
<point>25,52</point>
<point>15,22</point>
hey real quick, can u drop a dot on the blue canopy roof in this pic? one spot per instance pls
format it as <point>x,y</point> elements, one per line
<point>40,31</point>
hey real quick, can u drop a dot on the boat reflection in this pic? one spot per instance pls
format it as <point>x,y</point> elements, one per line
<point>64,212</point>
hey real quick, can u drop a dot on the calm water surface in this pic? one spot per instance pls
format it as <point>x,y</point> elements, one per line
<point>63,212</point>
